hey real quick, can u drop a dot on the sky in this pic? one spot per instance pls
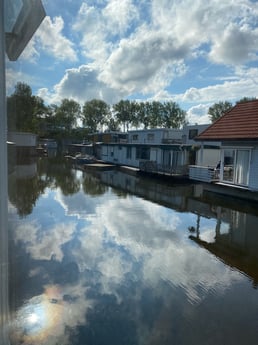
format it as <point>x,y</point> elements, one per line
<point>194,53</point>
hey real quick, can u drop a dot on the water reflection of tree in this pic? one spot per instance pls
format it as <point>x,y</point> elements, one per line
<point>92,186</point>
<point>59,173</point>
<point>24,192</point>
<point>51,173</point>
<point>120,193</point>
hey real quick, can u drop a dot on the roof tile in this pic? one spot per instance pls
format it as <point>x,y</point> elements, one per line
<point>241,122</point>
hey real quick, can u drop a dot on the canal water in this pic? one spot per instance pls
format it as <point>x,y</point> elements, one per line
<point>105,257</point>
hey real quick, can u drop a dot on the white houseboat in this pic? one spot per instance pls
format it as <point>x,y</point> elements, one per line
<point>159,150</point>
<point>237,131</point>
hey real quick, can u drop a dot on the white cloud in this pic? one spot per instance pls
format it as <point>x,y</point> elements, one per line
<point>146,62</point>
<point>232,90</point>
<point>148,48</point>
<point>12,76</point>
<point>53,41</point>
<point>82,84</point>
<point>50,38</point>
<point>198,114</point>
<point>119,15</point>
<point>155,52</point>
<point>235,46</point>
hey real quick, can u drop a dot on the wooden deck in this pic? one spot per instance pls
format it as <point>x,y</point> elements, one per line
<point>99,166</point>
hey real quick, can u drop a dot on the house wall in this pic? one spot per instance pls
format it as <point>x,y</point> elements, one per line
<point>253,175</point>
<point>117,154</point>
<point>209,157</point>
<point>154,136</point>
<point>190,132</point>
<point>22,139</point>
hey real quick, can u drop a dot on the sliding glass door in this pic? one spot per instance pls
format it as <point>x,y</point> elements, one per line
<point>236,166</point>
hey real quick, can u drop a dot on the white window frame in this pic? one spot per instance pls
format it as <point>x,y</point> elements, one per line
<point>235,149</point>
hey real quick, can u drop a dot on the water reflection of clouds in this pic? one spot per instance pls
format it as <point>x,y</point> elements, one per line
<point>146,232</point>
<point>44,244</point>
<point>126,239</point>
<point>78,204</point>
<point>151,239</point>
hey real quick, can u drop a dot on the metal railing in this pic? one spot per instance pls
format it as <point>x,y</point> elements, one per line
<point>154,167</point>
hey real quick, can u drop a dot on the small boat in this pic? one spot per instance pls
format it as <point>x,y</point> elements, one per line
<point>84,159</point>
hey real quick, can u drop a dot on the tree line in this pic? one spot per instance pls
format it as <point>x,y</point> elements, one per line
<point>219,109</point>
<point>27,112</point>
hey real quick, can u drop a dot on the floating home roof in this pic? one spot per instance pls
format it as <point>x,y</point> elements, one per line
<point>241,122</point>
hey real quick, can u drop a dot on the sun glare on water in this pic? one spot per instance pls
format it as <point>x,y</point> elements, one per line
<point>39,319</point>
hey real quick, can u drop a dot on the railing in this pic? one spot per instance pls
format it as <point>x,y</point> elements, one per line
<point>171,141</point>
<point>203,173</point>
<point>153,167</point>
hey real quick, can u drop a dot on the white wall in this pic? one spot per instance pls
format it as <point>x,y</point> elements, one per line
<point>154,136</point>
<point>22,139</point>
<point>208,157</point>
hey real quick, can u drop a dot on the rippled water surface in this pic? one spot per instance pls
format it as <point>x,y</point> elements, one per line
<point>108,258</point>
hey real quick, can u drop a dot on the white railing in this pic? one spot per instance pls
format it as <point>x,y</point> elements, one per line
<point>202,173</point>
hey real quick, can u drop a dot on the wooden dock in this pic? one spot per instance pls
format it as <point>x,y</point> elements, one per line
<point>98,166</point>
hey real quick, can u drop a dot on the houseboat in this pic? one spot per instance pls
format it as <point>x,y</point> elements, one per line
<point>237,166</point>
<point>156,151</point>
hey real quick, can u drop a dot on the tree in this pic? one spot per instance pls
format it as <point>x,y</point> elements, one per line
<point>23,109</point>
<point>67,114</point>
<point>172,115</point>
<point>142,114</point>
<point>112,124</point>
<point>219,109</point>
<point>95,114</point>
<point>246,99</point>
<point>125,113</point>
<point>155,114</point>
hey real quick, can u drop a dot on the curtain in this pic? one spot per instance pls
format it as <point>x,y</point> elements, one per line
<point>242,167</point>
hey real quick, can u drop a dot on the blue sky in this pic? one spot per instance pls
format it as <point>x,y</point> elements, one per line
<point>194,53</point>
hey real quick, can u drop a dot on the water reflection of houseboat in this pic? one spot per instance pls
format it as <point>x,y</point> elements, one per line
<point>233,237</point>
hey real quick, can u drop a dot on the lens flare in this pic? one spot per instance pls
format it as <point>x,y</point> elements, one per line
<point>40,318</point>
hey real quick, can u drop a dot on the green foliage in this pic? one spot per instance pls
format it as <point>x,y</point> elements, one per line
<point>172,115</point>
<point>24,109</point>
<point>67,114</point>
<point>124,112</point>
<point>95,114</point>
<point>27,112</point>
<point>149,114</point>
<point>219,109</point>
<point>112,124</point>
<point>246,99</point>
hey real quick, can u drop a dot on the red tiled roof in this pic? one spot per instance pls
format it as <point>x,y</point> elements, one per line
<point>241,122</point>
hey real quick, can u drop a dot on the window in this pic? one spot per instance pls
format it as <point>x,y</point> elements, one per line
<point>135,137</point>
<point>236,166</point>
<point>150,137</point>
<point>193,133</point>
<point>129,152</point>
<point>143,153</point>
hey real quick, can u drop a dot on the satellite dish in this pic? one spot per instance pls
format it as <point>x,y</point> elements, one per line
<point>29,18</point>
